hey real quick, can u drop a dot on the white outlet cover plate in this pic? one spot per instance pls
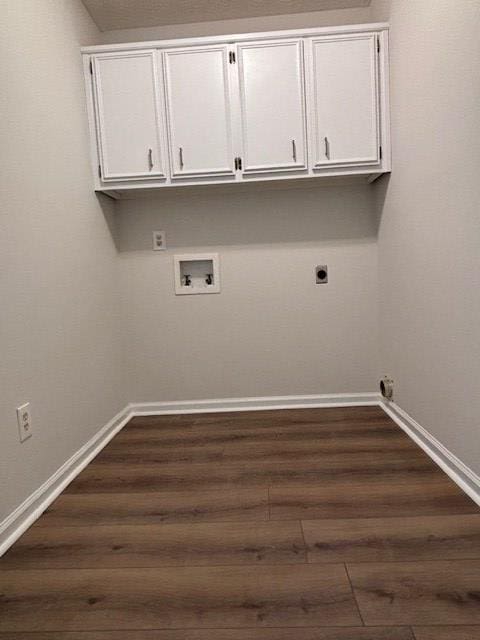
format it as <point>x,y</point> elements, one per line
<point>24,420</point>
<point>159,239</point>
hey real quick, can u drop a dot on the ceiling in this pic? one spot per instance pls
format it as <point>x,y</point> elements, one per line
<point>128,14</point>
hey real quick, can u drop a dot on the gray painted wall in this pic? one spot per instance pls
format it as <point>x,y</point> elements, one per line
<point>241,25</point>
<point>59,330</point>
<point>271,330</point>
<point>429,238</point>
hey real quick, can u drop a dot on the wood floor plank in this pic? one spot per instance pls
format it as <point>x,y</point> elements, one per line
<point>418,593</point>
<point>393,539</point>
<point>235,505</point>
<point>444,633</point>
<point>138,478</point>
<point>385,441</point>
<point>158,546</point>
<point>164,422</point>
<point>329,416</point>
<point>313,448</point>
<point>436,496</point>
<point>226,436</point>
<point>193,597</point>
<point>157,453</point>
<point>124,477</point>
<point>259,426</point>
<point>351,633</point>
<point>267,418</point>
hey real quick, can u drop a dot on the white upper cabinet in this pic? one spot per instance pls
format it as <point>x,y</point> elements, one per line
<point>271,81</point>
<point>198,98</point>
<point>273,106</point>
<point>129,128</point>
<point>343,100</point>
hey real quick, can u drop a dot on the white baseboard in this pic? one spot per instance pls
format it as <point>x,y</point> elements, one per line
<point>462,475</point>
<point>254,404</point>
<point>12,527</point>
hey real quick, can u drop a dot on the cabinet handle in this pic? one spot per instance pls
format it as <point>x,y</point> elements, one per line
<point>294,151</point>
<point>150,159</point>
<point>180,155</point>
<point>327,148</point>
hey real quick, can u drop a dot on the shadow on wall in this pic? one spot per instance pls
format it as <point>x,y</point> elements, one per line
<point>107,205</point>
<point>343,214</point>
<point>380,191</point>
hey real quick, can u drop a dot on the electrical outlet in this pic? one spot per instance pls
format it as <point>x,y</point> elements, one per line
<point>321,274</point>
<point>24,419</point>
<point>159,240</point>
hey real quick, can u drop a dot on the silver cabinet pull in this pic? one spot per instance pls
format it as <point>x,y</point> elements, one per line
<point>150,159</point>
<point>180,155</point>
<point>327,148</point>
<point>294,151</point>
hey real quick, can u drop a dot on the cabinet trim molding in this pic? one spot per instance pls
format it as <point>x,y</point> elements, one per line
<point>149,174</point>
<point>237,37</point>
<point>296,145</point>
<point>179,173</point>
<point>316,134</point>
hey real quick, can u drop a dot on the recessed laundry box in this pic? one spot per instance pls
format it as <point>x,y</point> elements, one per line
<point>196,273</point>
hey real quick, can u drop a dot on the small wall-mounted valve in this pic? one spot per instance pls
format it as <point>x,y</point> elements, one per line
<point>209,278</point>
<point>187,280</point>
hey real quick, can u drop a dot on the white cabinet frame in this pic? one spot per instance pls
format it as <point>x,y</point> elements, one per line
<point>159,142</point>
<point>229,169</point>
<point>314,137</point>
<point>292,165</point>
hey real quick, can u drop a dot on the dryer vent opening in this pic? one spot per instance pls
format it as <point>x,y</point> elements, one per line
<point>386,387</point>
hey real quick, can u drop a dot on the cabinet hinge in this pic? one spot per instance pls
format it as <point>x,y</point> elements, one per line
<point>231,57</point>
<point>378,44</point>
<point>238,164</point>
<point>91,68</point>
<point>380,153</point>
<point>99,171</point>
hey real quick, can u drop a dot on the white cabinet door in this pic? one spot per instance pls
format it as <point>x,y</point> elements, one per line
<point>128,119</point>
<point>197,88</point>
<point>343,100</point>
<point>272,105</point>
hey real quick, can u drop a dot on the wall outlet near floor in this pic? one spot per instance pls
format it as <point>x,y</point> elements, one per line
<point>24,419</point>
<point>159,240</point>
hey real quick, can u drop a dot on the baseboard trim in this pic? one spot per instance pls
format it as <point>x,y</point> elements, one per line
<point>15,524</point>
<point>462,475</point>
<point>254,404</point>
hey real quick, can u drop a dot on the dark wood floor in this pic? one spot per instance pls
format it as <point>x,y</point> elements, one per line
<point>313,524</point>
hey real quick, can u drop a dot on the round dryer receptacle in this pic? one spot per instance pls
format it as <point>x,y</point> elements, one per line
<point>321,274</point>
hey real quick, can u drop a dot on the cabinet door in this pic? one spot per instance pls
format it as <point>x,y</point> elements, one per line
<point>272,105</point>
<point>343,100</point>
<point>198,111</point>
<point>128,119</point>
